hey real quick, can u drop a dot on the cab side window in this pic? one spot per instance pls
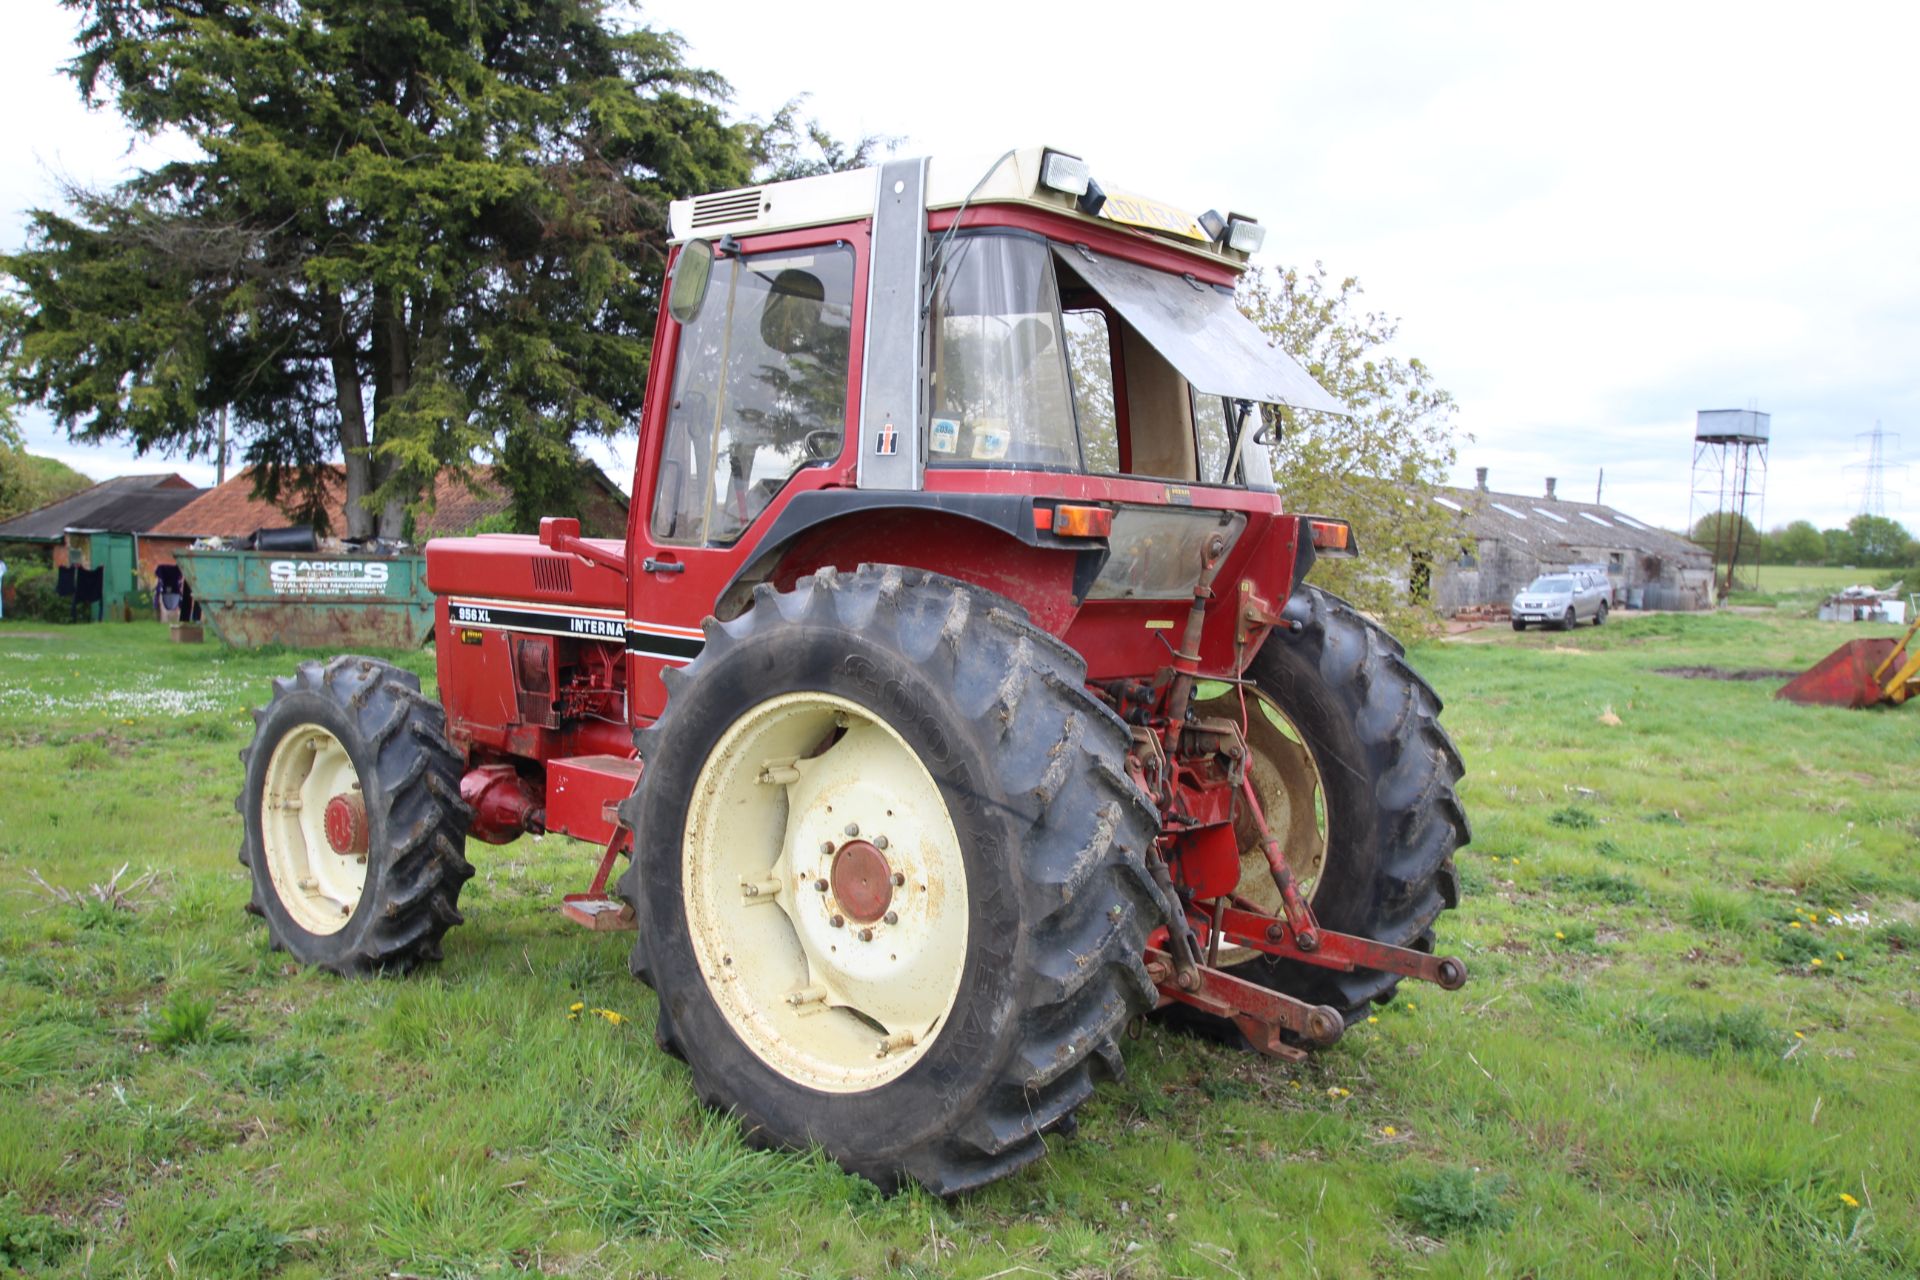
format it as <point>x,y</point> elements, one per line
<point>759,390</point>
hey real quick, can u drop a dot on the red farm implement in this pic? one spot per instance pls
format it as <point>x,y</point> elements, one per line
<point>1861,673</point>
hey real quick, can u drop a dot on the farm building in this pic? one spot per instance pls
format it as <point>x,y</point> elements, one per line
<point>231,510</point>
<point>110,532</point>
<point>1514,538</point>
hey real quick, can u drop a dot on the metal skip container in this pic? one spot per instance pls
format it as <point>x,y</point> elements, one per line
<point>310,599</point>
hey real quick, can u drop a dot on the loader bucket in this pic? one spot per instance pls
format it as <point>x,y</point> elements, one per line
<point>1844,678</point>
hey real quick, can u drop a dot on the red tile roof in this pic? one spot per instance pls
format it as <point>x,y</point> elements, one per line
<point>231,511</point>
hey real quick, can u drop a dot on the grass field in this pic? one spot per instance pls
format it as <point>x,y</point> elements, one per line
<point>1690,1046</point>
<point>1818,581</point>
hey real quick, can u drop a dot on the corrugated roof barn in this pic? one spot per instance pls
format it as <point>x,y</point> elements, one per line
<point>125,504</point>
<point>1517,537</point>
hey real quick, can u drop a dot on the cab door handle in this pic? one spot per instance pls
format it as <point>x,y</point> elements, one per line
<point>650,565</point>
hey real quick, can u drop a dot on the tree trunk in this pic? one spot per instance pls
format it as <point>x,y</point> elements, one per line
<point>392,369</point>
<point>343,350</point>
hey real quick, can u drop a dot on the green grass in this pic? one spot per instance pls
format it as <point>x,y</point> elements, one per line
<point>1647,1075</point>
<point>1800,589</point>
<point>1820,577</point>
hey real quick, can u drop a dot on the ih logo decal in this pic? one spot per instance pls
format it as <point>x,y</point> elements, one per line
<point>887,442</point>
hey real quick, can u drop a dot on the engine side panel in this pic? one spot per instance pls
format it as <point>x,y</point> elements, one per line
<point>532,651</point>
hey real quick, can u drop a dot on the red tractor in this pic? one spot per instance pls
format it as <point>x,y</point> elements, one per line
<point>956,696</point>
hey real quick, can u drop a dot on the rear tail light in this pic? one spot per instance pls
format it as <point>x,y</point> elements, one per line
<point>1069,521</point>
<point>1332,537</point>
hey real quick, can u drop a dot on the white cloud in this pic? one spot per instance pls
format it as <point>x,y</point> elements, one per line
<point>1593,221</point>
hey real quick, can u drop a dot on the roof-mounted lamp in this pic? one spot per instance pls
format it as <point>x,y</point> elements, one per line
<point>1234,231</point>
<point>1070,176</point>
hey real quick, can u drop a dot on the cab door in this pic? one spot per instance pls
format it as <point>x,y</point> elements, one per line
<point>752,399</point>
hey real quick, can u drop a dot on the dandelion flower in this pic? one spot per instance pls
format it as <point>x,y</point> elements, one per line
<point>1839,955</point>
<point>1817,962</point>
<point>1389,1131</point>
<point>575,1007</point>
<point>1373,1018</point>
<point>610,1016</point>
<point>1799,1035</point>
<point>1411,1006</point>
<point>1560,935</point>
<point>1337,1093</point>
<point>1794,925</point>
<point>1849,1201</point>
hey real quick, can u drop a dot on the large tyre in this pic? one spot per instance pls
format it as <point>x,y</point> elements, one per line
<point>891,727</point>
<point>355,831</point>
<point>1357,780</point>
<point>1569,620</point>
<point>1600,615</point>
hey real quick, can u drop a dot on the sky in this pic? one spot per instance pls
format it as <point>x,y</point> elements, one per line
<point>1590,222</point>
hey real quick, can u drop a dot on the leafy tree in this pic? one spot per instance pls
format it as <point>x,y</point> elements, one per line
<point>1376,467</point>
<point>416,230</point>
<point>1724,534</point>
<point>1841,548</point>
<point>29,481</point>
<point>1880,542</point>
<point>1797,543</point>
<point>786,147</point>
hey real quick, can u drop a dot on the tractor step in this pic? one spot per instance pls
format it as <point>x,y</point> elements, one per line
<point>591,787</point>
<point>597,912</point>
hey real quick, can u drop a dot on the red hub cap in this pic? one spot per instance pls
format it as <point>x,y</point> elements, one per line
<point>862,881</point>
<point>346,823</point>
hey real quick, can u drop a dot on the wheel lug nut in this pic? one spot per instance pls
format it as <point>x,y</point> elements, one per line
<point>821,885</point>
<point>892,917</point>
<point>853,828</point>
<point>866,935</point>
<point>879,842</point>
<point>838,922</point>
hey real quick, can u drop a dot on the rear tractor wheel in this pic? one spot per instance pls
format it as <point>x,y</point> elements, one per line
<point>1356,780</point>
<point>889,877</point>
<point>354,827</point>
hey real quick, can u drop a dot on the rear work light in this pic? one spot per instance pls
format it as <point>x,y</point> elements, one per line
<point>1064,173</point>
<point>1069,521</point>
<point>1244,235</point>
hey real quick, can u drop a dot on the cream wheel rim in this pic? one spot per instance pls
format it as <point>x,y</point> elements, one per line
<point>319,887</point>
<point>825,893</point>
<point>1292,799</point>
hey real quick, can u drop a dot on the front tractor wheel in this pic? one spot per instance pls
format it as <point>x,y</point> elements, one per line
<point>1356,780</point>
<point>889,877</point>
<point>354,828</point>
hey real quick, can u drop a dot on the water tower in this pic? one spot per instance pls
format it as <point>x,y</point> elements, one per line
<point>1729,478</point>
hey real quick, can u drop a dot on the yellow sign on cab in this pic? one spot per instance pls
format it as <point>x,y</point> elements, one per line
<point>1154,215</point>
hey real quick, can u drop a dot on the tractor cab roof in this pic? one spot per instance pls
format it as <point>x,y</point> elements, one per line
<point>1038,177</point>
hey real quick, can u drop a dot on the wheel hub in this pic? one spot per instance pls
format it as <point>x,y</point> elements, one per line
<point>313,829</point>
<point>862,881</point>
<point>826,892</point>
<point>346,824</point>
